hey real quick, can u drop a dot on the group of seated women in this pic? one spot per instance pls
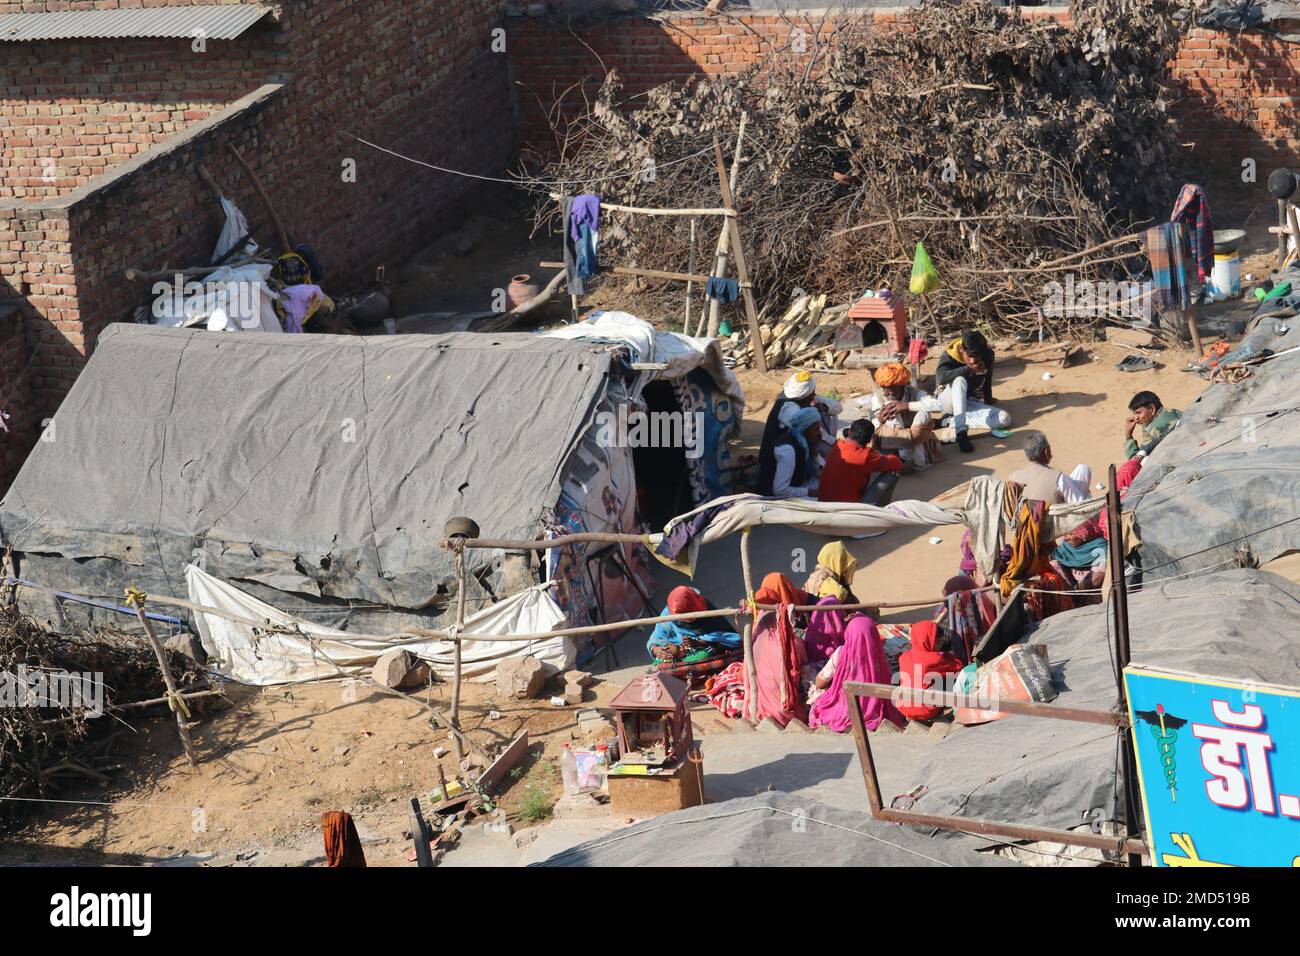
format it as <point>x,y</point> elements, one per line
<point>803,659</point>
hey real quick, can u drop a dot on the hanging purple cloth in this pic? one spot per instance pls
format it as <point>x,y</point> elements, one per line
<point>1193,210</point>
<point>584,212</point>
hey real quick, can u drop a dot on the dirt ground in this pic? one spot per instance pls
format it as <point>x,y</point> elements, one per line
<point>279,757</point>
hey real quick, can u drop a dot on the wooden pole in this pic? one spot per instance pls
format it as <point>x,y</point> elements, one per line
<point>724,238</point>
<point>742,270</point>
<point>1281,235</point>
<point>1195,333</point>
<point>751,671</point>
<point>690,267</point>
<point>266,200</point>
<point>456,679</point>
<point>135,598</point>
<point>1118,601</point>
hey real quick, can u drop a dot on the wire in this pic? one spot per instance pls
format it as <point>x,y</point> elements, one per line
<point>520,180</point>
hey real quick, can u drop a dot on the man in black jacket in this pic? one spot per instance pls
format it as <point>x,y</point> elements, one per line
<point>965,387</point>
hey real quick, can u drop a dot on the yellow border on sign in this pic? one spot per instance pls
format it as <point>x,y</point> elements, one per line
<point>1141,670</point>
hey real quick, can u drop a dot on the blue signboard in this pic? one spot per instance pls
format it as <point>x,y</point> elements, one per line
<point>1219,765</point>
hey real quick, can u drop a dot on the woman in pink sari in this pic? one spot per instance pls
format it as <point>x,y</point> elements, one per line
<point>825,632</point>
<point>861,658</point>
<point>778,664</point>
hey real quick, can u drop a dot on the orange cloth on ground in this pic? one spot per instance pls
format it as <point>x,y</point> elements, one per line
<point>848,470</point>
<point>778,589</point>
<point>342,844</point>
<point>922,666</point>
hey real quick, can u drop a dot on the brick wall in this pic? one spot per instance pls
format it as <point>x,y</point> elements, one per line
<point>71,111</point>
<point>419,78</point>
<point>1239,98</point>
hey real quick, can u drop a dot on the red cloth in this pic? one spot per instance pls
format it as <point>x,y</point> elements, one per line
<point>1125,475</point>
<point>849,468</point>
<point>922,666</point>
<point>778,589</point>
<point>684,600</point>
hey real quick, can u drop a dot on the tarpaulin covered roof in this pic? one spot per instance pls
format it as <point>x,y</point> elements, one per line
<point>211,21</point>
<point>1238,624</point>
<point>769,829</point>
<point>316,464</point>
<point>1229,475</point>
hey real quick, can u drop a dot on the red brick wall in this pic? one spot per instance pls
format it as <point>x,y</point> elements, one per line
<point>1240,95</point>
<point>71,111</point>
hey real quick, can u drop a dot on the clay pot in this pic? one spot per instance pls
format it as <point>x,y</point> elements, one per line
<point>520,290</point>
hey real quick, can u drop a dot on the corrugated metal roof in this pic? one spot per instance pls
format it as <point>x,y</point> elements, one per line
<point>217,22</point>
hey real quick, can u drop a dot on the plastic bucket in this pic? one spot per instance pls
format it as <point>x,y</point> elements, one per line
<point>1226,279</point>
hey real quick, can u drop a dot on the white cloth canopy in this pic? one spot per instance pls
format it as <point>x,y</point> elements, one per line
<point>836,519</point>
<point>241,653</point>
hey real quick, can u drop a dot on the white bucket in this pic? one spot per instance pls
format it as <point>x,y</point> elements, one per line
<point>1226,279</point>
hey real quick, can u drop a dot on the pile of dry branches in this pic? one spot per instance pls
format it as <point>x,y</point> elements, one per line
<point>44,748</point>
<point>1019,150</point>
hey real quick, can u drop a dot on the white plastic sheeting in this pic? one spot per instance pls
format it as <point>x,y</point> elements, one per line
<point>253,656</point>
<point>234,229</point>
<point>232,298</point>
<point>681,354</point>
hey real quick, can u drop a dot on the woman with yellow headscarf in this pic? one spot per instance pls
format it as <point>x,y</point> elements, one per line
<point>833,576</point>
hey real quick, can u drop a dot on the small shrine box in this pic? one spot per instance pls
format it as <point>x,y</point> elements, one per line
<point>654,724</point>
<point>889,313</point>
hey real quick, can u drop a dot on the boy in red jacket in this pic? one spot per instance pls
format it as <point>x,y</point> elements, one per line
<point>851,464</point>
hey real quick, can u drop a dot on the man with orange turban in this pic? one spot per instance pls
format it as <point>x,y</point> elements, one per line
<point>901,415</point>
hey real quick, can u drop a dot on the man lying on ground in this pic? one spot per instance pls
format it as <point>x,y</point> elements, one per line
<point>853,463</point>
<point>1155,420</point>
<point>965,381</point>
<point>899,421</point>
<point>1043,482</point>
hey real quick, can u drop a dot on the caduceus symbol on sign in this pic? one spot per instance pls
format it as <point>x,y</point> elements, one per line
<point>1164,728</point>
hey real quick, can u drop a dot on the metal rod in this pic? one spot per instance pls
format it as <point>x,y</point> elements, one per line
<point>1013,831</point>
<point>1024,708</point>
<point>1010,831</point>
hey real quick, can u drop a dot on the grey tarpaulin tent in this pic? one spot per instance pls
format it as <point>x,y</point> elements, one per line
<point>1237,624</point>
<point>1229,474</point>
<point>317,472</point>
<point>770,829</point>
